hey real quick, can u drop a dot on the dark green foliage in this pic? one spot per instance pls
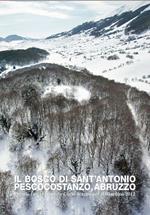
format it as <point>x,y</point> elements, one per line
<point>22,56</point>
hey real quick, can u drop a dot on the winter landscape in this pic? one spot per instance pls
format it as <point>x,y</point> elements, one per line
<point>77,103</point>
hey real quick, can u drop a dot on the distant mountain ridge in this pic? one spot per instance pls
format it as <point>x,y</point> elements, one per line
<point>13,37</point>
<point>136,21</point>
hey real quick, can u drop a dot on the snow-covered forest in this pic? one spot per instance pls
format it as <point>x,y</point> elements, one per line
<point>77,104</point>
<point>103,133</point>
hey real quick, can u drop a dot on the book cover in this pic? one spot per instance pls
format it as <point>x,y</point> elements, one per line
<point>74,107</point>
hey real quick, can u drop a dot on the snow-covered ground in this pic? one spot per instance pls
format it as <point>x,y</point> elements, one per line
<point>85,51</point>
<point>74,92</point>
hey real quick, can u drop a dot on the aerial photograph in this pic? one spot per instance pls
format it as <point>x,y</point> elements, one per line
<point>74,107</point>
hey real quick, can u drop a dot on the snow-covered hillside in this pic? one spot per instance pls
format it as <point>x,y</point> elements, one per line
<point>83,51</point>
<point>118,56</point>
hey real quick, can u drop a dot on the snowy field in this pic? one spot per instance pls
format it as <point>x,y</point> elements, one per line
<point>83,51</point>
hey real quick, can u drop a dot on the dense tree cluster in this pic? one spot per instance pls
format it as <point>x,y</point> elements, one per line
<point>98,136</point>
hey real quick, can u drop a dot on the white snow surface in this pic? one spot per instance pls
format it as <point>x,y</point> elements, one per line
<point>84,51</point>
<point>78,93</point>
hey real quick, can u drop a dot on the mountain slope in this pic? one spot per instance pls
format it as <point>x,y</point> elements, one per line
<point>13,37</point>
<point>139,22</point>
<point>112,51</point>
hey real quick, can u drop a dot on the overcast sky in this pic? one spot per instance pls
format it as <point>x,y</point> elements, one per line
<point>41,19</point>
